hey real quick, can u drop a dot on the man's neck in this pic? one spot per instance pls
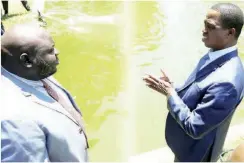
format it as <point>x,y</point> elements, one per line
<point>225,47</point>
<point>17,71</point>
<point>24,80</point>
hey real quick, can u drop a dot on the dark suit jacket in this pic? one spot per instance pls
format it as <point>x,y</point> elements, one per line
<point>201,110</point>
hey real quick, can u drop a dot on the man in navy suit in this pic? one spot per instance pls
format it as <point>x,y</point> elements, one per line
<point>201,110</point>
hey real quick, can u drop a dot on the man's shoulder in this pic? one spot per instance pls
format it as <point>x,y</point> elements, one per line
<point>15,105</point>
<point>19,124</point>
<point>233,70</point>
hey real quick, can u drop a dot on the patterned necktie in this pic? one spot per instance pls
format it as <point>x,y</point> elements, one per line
<point>70,109</point>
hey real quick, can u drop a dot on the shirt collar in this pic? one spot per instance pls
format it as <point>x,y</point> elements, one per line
<point>32,83</point>
<point>216,54</point>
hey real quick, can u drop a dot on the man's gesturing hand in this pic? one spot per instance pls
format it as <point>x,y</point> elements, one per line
<point>162,85</point>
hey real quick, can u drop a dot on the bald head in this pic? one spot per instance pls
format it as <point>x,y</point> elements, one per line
<point>23,37</point>
<point>28,51</point>
<point>25,30</point>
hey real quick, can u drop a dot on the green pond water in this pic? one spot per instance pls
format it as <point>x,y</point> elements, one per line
<point>105,49</point>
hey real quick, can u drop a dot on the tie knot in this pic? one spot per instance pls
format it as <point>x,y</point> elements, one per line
<point>45,85</point>
<point>50,91</point>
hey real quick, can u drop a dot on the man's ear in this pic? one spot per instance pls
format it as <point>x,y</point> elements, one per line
<point>232,32</point>
<point>25,60</point>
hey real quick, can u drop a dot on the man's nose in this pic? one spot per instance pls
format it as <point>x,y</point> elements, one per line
<point>56,52</point>
<point>204,30</point>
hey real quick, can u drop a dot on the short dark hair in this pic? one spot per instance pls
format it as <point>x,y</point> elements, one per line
<point>231,16</point>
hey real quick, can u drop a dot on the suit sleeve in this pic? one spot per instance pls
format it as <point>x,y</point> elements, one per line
<point>218,103</point>
<point>22,141</point>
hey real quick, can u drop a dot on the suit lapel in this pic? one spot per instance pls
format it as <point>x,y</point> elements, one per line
<point>47,102</point>
<point>192,77</point>
<point>67,93</point>
<point>81,124</point>
<point>207,68</point>
<point>35,96</point>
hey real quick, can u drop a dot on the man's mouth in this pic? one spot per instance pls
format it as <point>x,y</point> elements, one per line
<point>57,60</point>
<point>204,37</point>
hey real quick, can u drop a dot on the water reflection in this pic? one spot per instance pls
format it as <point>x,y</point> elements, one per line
<point>148,25</point>
<point>92,66</point>
<point>97,8</point>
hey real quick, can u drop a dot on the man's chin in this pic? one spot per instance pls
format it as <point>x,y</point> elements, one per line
<point>207,44</point>
<point>46,75</point>
<point>53,72</point>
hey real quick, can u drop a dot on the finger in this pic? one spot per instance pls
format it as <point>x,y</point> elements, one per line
<point>163,91</point>
<point>149,80</point>
<point>163,78</point>
<point>164,74</point>
<point>153,78</point>
<point>166,83</point>
<point>145,76</point>
<point>152,85</point>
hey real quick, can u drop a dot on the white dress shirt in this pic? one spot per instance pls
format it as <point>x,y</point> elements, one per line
<point>213,55</point>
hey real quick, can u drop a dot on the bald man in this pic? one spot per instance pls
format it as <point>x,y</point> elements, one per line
<point>43,122</point>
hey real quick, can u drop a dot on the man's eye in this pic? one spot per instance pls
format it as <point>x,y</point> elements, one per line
<point>51,50</point>
<point>210,26</point>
